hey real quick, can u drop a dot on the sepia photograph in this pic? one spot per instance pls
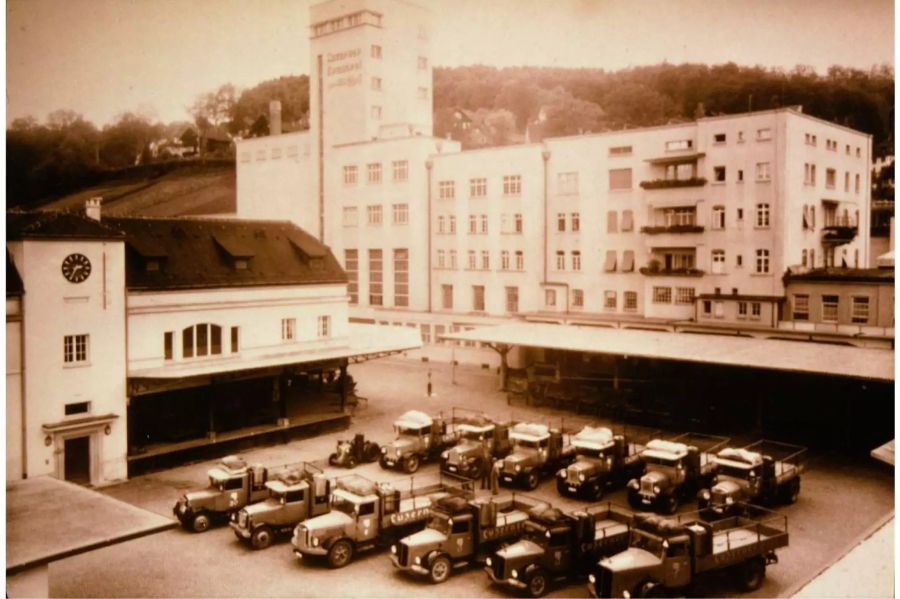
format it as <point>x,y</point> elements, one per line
<point>450,298</point>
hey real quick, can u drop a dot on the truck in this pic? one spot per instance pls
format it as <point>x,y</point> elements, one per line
<point>419,438</point>
<point>349,453</point>
<point>232,485</point>
<point>765,472</point>
<point>366,515</point>
<point>538,451</point>
<point>602,460</point>
<point>481,441</point>
<point>558,546</point>
<point>667,555</point>
<point>462,532</point>
<point>675,471</point>
<point>296,495</point>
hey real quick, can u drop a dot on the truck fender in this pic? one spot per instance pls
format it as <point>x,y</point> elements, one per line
<point>432,555</point>
<point>529,569</point>
<point>329,541</point>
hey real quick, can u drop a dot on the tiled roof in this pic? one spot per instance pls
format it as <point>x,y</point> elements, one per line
<point>13,280</point>
<point>55,225</point>
<point>191,253</point>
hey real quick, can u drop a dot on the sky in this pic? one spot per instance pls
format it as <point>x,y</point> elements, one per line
<point>104,57</point>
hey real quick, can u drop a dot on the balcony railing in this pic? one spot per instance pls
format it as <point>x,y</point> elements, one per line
<point>672,229</point>
<point>839,232</point>
<point>673,183</point>
<point>652,271</point>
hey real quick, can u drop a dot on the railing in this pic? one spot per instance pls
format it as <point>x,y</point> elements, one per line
<point>673,272</point>
<point>672,229</point>
<point>673,183</point>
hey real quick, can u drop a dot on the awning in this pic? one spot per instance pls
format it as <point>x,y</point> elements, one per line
<point>628,261</point>
<point>627,220</point>
<point>610,264</point>
<point>676,158</point>
<point>769,354</point>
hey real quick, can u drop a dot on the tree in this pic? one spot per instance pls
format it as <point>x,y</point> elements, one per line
<point>253,103</point>
<point>122,143</point>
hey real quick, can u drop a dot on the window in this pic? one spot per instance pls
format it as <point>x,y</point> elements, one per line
<point>576,222</point>
<point>742,310</point>
<point>376,83</point>
<point>812,258</point>
<point>168,343</point>
<point>478,187</point>
<point>755,310</point>
<point>856,184</point>
<point>810,139</point>
<point>681,144</point>
<point>740,176</point>
<point>706,306</point>
<point>376,267</point>
<point>376,51</point>
<point>425,331</point>
<point>762,171</point>
<point>610,264</point>
<point>831,145</point>
<point>350,173</point>
<point>612,218</point>
<point>830,175</point>
<point>422,93</point>
<point>860,310</point>
<point>520,260</point>
<point>560,260</point>
<point>447,297</point>
<point>453,259</point>
<point>374,172</point>
<point>485,260</point>
<point>441,261</point>
<point>440,224</point>
<point>81,407</point>
<point>288,327</point>
<point>610,302</point>
<point>504,260</point>
<point>483,219</point>
<point>718,217</point>
<point>235,339</point>
<point>401,214</point>
<point>351,216</point>
<point>577,298</point>
<point>446,190</point>
<point>375,112</point>
<point>323,328</point>
<point>401,170</point>
<point>422,62</point>
<point>512,185</point>
<point>662,295</point>
<point>567,183</point>
<point>620,178</point>
<point>763,134</point>
<point>351,265</point>
<point>451,224</point>
<point>373,214</point>
<point>203,340</point>
<point>576,260</point>
<point>740,137</point>
<point>719,174</point>
<point>680,216</point>
<point>847,181</point>
<point>550,297</point>
<point>518,222</point>
<point>684,295</point>
<point>719,138</point>
<point>627,221</point>
<point>740,214</point>
<point>803,258</point>
<point>478,298</point>
<point>620,150</point>
<point>512,299</point>
<point>561,222</point>
<point>809,174</point>
<point>629,301</point>
<point>762,261</point>
<point>718,262</point>
<point>473,260</point>
<point>762,216</point>
<point>628,261</point>
<point>401,277</point>
<point>830,308</point>
<point>473,224</point>
<point>75,349</point>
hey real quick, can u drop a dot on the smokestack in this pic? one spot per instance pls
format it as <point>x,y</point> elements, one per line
<point>92,208</point>
<point>274,117</point>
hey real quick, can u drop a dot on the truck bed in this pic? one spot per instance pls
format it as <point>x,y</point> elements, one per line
<point>736,539</point>
<point>419,501</point>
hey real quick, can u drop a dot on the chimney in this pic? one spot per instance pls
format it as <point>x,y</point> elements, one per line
<point>92,208</point>
<point>274,117</point>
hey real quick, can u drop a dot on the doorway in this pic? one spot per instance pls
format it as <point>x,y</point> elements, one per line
<point>77,453</point>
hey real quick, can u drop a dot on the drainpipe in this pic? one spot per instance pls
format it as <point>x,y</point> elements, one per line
<point>545,155</point>
<point>24,425</point>
<point>429,164</point>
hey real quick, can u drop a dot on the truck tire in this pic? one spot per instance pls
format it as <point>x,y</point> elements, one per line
<point>351,462</point>
<point>791,491</point>
<point>340,554</point>
<point>652,589</point>
<point>562,487</point>
<point>200,522</point>
<point>477,471</point>
<point>411,464</point>
<point>332,459</point>
<point>537,583</point>
<point>595,490</point>
<point>382,463</point>
<point>532,480</point>
<point>261,537</point>
<point>669,505</point>
<point>634,500</point>
<point>440,569</point>
<point>752,574</point>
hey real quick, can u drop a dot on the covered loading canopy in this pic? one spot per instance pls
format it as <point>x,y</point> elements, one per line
<point>769,354</point>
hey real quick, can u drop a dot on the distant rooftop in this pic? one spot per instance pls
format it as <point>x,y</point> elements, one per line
<point>860,275</point>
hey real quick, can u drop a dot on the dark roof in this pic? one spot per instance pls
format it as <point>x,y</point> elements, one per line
<point>740,297</point>
<point>855,275</point>
<point>192,253</point>
<point>13,280</point>
<point>55,225</point>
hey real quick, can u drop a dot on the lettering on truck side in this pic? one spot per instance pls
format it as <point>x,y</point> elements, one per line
<point>489,534</point>
<point>726,557</point>
<point>410,516</point>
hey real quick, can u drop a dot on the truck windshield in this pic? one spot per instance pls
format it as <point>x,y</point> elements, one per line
<point>216,484</point>
<point>649,543</point>
<point>733,472</point>
<point>342,504</point>
<point>404,431</point>
<point>473,436</point>
<point>590,453</point>
<point>440,523</point>
<point>657,464</point>
<point>526,444</point>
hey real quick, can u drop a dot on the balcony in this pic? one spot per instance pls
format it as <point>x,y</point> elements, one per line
<point>673,183</point>
<point>839,231</point>
<point>672,229</point>
<point>653,269</point>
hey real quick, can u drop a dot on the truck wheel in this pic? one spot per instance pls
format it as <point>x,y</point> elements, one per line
<point>562,488</point>
<point>200,522</point>
<point>670,504</point>
<point>792,491</point>
<point>340,554</point>
<point>411,464</point>
<point>261,537</point>
<point>440,569</point>
<point>652,589</point>
<point>532,480</point>
<point>332,459</point>
<point>478,468</point>
<point>537,584</point>
<point>753,573</point>
<point>351,462</point>
<point>382,463</point>
<point>634,501</point>
<point>596,491</point>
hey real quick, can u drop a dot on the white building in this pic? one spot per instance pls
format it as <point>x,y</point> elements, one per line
<point>693,223</point>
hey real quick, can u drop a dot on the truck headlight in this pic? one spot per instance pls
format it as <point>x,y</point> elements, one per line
<point>418,560</point>
<point>561,473</point>
<point>315,541</point>
<point>581,477</point>
<point>592,579</point>
<point>384,450</point>
<point>704,494</point>
<point>489,562</point>
<point>393,549</point>
<point>656,489</point>
<point>626,594</point>
<point>445,455</point>
<point>518,468</point>
<point>633,484</point>
<point>514,574</point>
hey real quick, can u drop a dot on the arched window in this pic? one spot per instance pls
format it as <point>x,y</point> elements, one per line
<point>201,340</point>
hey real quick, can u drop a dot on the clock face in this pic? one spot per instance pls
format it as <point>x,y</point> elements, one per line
<point>76,268</point>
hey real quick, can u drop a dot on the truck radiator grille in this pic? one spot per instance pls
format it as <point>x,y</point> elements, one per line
<point>572,477</point>
<point>403,554</point>
<point>499,567</point>
<point>646,486</point>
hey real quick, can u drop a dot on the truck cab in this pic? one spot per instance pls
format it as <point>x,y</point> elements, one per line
<point>419,437</point>
<point>746,475</point>
<point>232,485</point>
<point>479,443</point>
<point>537,450</point>
<point>601,459</point>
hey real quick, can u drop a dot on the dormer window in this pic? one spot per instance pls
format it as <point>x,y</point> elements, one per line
<point>236,249</point>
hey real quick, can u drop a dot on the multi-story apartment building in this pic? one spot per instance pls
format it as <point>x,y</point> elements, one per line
<point>687,223</point>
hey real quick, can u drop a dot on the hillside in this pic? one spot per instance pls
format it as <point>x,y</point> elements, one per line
<point>193,190</point>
